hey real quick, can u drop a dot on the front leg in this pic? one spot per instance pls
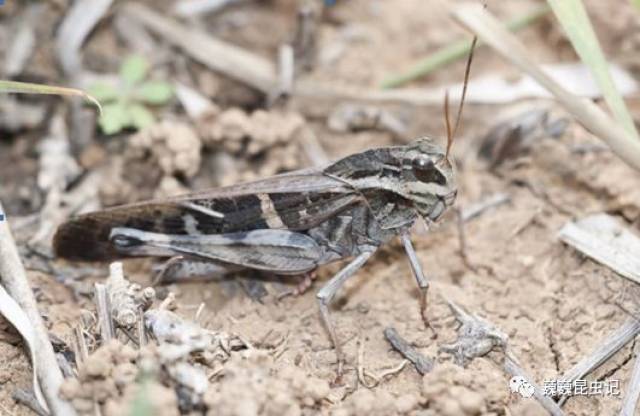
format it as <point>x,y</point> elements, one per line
<point>416,268</point>
<point>326,294</point>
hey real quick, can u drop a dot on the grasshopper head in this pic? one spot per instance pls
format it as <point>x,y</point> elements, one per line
<point>428,178</point>
<point>420,173</point>
<point>427,172</point>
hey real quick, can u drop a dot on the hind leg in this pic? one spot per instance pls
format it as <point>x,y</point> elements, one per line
<point>302,286</point>
<point>184,269</point>
<point>181,268</point>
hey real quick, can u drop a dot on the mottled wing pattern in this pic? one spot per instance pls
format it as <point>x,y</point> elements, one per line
<point>279,251</point>
<point>290,201</point>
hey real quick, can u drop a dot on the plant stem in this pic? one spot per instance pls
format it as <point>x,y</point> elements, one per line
<point>455,51</point>
<point>576,23</point>
<point>14,279</point>
<point>29,88</point>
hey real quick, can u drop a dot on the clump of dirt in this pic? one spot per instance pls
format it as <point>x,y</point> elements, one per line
<point>173,146</point>
<point>103,377</point>
<point>268,140</point>
<point>116,377</point>
<point>241,146</point>
<point>477,389</point>
<point>251,384</point>
<point>235,130</point>
<point>367,402</point>
<point>171,353</point>
<point>164,400</point>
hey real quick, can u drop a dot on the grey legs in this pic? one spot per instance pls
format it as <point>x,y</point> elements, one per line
<point>326,294</point>
<point>416,268</point>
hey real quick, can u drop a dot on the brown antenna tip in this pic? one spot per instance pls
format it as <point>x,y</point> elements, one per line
<point>452,134</point>
<point>447,123</point>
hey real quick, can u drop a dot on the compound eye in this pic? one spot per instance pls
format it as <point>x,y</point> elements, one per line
<point>422,163</point>
<point>425,171</point>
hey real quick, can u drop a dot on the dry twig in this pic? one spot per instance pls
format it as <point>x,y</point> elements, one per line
<point>602,238</point>
<point>77,24</point>
<point>23,41</point>
<point>610,345</point>
<point>369,379</point>
<point>257,72</point>
<point>28,399</point>
<point>14,279</point>
<point>286,69</point>
<point>15,315</point>
<point>630,401</point>
<point>491,31</point>
<point>478,208</point>
<point>190,8</point>
<point>477,337</point>
<point>512,368</point>
<point>422,364</point>
<point>305,37</point>
<point>103,309</point>
<point>223,57</point>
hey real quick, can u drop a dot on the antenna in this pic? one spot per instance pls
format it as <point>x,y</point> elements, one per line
<point>451,134</point>
<point>447,122</point>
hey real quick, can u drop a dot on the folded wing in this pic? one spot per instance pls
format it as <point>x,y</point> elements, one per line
<point>293,202</point>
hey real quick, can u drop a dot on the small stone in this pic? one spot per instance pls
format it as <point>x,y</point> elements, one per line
<point>96,367</point>
<point>341,411</point>
<point>70,388</point>
<point>127,354</point>
<point>318,389</point>
<point>471,402</point>
<point>83,406</point>
<point>124,374</point>
<point>450,408</point>
<point>103,389</point>
<point>604,312</point>
<point>406,403</point>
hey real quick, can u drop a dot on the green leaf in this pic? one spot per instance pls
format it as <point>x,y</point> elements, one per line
<point>576,23</point>
<point>115,117</point>
<point>140,116</point>
<point>154,92</point>
<point>134,69</point>
<point>104,92</point>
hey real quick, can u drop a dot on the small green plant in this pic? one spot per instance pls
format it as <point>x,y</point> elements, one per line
<point>142,404</point>
<point>124,104</point>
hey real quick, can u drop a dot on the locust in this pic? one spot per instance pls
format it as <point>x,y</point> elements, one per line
<point>289,224</point>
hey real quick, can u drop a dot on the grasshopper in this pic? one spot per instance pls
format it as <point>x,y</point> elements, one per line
<point>288,224</point>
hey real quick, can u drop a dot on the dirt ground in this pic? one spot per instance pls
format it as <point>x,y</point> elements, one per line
<point>554,304</point>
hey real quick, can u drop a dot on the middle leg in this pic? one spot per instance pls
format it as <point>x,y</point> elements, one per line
<point>418,274</point>
<point>326,294</point>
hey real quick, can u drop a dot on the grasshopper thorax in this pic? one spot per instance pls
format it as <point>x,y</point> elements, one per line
<point>419,173</point>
